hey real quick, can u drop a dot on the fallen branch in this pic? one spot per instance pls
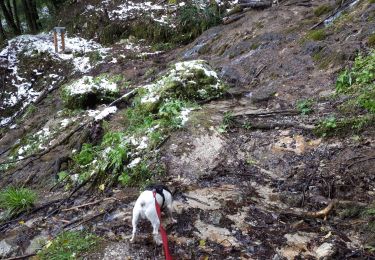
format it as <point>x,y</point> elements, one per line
<point>21,257</point>
<point>197,200</point>
<point>38,155</point>
<point>287,112</point>
<point>271,126</point>
<point>360,161</point>
<point>87,204</point>
<point>81,221</point>
<point>332,14</point>
<point>70,195</point>
<point>125,97</point>
<point>231,19</point>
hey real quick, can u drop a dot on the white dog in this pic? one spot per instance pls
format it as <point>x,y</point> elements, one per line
<point>145,208</point>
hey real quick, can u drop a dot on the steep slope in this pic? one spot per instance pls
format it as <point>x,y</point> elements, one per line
<point>249,172</point>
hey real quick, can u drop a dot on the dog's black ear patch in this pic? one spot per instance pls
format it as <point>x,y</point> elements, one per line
<point>158,187</point>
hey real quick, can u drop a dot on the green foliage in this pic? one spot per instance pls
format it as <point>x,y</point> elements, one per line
<point>171,110</point>
<point>190,21</point>
<point>193,20</point>
<point>16,200</point>
<point>317,35</point>
<point>85,156</point>
<point>323,9</point>
<point>358,82</point>
<point>228,122</point>
<point>305,106</point>
<point>326,126</point>
<point>156,111</point>
<point>137,175</point>
<point>94,57</point>
<point>69,245</point>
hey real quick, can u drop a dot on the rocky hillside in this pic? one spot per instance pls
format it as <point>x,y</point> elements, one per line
<point>260,120</point>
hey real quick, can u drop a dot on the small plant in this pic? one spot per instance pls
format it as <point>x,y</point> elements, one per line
<point>329,123</point>
<point>304,106</point>
<point>68,245</point>
<point>326,126</point>
<point>94,57</point>
<point>247,125</point>
<point>228,122</point>
<point>85,156</point>
<point>317,35</point>
<point>16,200</point>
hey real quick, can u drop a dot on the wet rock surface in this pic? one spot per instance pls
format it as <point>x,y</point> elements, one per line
<point>238,194</point>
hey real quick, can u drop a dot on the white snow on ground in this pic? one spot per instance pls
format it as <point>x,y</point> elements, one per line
<point>43,42</point>
<point>129,8</point>
<point>88,84</point>
<point>106,112</point>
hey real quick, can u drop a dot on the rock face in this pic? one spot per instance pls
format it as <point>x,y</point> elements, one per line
<point>6,249</point>
<point>243,165</point>
<point>325,251</point>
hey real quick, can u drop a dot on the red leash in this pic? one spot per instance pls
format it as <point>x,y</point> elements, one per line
<point>162,231</point>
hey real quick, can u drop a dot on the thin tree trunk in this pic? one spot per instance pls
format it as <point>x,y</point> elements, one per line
<point>9,18</point>
<point>2,32</point>
<point>30,15</point>
<point>16,16</point>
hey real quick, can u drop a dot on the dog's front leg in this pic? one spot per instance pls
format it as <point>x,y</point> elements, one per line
<point>170,214</point>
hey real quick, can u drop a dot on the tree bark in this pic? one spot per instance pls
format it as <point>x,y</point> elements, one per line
<point>9,18</point>
<point>31,15</point>
<point>2,32</point>
<point>16,16</point>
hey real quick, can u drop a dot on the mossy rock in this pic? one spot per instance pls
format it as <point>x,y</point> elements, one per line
<point>190,81</point>
<point>89,91</point>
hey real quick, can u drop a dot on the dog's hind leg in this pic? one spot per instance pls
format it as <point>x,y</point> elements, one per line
<point>152,216</point>
<point>135,219</point>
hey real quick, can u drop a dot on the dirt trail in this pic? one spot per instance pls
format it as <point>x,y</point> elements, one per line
<point>238,192</point>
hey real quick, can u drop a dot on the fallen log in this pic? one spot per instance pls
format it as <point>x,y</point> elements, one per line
<point>228,20</point>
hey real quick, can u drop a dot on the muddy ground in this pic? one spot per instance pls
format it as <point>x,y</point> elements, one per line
<point>242,193</point>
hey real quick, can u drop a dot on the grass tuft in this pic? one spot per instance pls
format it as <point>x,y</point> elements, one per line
<point>16,200</point>
<point>68,245</point>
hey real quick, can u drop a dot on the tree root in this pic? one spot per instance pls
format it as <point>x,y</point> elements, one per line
<point>321,213</point>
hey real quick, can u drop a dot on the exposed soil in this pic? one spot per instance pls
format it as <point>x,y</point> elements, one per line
<point>240,194</point>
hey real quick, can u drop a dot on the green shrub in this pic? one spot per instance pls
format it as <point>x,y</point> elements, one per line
<point>317,35</point>
<point>69,245</point>
<point>16,200</point>
<point>193,20</point>
<point>323,9</point>
<point>358,82</point>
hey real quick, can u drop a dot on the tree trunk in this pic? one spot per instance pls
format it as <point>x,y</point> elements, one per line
<point>16,16</point>
<point>2,32</point>
<point>31,15</point>
<point>9,18</point>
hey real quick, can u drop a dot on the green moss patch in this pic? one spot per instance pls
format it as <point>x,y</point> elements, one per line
<point>317,35</point>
